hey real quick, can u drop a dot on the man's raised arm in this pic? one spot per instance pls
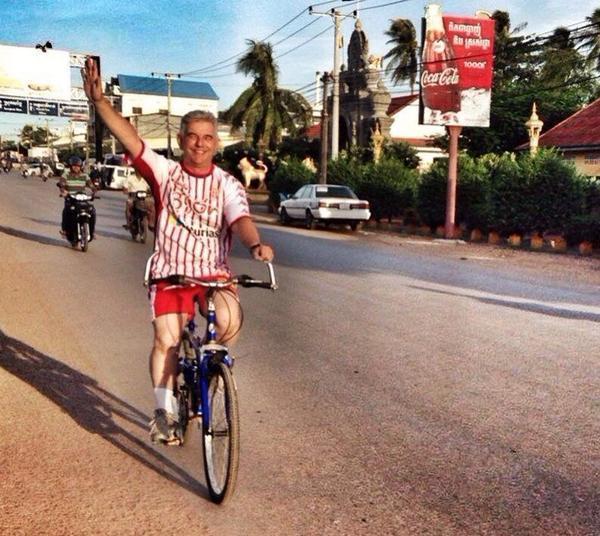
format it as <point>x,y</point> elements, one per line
<point>119,126</point>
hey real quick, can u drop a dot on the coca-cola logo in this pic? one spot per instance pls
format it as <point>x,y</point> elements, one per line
<point>447,77</point>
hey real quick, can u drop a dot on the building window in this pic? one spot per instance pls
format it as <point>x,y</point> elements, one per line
<point>137,110</point>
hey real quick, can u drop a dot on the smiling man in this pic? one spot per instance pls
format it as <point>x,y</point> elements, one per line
<point>198,208</point>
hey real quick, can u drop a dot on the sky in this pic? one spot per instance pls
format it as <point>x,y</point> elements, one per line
<point>200,37</point>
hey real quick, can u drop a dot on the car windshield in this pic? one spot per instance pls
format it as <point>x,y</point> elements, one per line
<point>335,191</point>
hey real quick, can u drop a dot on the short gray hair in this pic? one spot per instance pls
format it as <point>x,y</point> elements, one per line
<point>197,115</point>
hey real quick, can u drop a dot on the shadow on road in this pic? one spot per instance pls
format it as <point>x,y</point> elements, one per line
<point>41,239</point>
<point>539,308</point>
<point>91,407</point>
<point>98,232</point>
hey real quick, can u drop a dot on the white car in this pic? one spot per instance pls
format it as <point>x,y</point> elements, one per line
<point>327,203</point>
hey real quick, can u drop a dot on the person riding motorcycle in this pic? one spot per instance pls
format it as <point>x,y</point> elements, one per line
<point>75,180</point>
<point>133,184</point>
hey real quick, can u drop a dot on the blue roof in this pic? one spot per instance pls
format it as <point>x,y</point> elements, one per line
<point>158,86</point>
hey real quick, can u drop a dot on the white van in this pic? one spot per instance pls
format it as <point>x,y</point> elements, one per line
<point>115,172</point>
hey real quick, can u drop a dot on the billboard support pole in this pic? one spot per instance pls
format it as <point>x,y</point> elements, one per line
<point>454,133</point>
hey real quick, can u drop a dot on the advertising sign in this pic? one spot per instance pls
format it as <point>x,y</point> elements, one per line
<point>43,108</point>
<point>76,111</point>
<point>457,69</point>
<point>15,106</point>
<point>31,73</point>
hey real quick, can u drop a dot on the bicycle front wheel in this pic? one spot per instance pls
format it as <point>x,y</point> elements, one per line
<point>221,434</point>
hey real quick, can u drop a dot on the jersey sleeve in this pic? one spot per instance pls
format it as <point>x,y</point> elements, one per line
<point>235,201</point>
<point>153,167</point>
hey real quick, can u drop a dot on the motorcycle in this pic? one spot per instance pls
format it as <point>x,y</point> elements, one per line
<point>139,217</point>
<point>6,165</point>
<point>79,233</point>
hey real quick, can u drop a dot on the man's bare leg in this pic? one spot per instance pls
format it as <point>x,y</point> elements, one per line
<point>163,371</point>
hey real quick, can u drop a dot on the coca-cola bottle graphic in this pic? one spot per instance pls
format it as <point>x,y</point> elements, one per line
<point>439,74</point>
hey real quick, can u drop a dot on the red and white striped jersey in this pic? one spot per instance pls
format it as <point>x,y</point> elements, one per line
<point>194,215</point>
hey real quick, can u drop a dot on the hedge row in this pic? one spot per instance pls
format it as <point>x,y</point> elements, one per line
<point>525,194</point>
<point>507,194</point>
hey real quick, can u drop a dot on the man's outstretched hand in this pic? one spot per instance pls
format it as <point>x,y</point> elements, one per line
<point>92,83</point>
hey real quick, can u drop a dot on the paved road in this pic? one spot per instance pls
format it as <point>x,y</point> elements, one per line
<point>384,389</point>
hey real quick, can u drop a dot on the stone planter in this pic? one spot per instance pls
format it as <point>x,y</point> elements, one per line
<point>494,238</point>
<point>585,248</point>
<point>556,243</point>
<point>537,242</point>
<point>476,235</point>
<point>514,240</point>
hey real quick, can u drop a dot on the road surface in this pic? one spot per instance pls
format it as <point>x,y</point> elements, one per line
<point>389,387</point>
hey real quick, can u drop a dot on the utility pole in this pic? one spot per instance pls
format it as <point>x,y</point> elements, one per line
<point>337,45</point>
<point>324,135</point>
<point>169,77</point>
<point>335,119</point>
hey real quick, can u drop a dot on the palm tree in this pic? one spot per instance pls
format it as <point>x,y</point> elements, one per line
<point>265,109</point>
<point>590,39</point>
<point>561,59</point>
<point>403,55</point>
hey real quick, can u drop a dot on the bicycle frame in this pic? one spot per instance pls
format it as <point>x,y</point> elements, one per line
<point>195,373</point>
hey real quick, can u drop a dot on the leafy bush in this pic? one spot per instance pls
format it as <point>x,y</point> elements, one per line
<point>402,152</point>
<point>288,177</point>
<point>510,192</point>
<point>345,170</point>
<point>389,186</point>
<point>556,192</point>
<point>584,227</point>
<point>431,194</point>
<point>473,193</point>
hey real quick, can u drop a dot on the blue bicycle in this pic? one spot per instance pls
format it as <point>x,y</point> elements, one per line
<point>206,389</point>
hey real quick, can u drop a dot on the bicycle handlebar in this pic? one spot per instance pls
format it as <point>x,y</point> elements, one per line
<point>243,280</point>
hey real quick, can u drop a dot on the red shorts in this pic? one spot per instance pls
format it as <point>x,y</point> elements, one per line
<point>176,299</point>
<point>167,298</point>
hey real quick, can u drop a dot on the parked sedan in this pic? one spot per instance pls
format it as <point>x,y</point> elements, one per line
<point>328,203</point>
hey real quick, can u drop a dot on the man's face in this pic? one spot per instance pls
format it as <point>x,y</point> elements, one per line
<point>199,144</point>
<point>76,169</point>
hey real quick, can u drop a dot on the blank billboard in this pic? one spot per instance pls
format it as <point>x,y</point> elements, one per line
<point>31,73</point>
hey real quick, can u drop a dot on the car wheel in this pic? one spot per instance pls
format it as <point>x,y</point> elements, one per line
<point>309,222</point>
<point>284,218</point>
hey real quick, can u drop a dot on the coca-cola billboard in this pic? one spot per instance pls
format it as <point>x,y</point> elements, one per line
<point>456,69</point>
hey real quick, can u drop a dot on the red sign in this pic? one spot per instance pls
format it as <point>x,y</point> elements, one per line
<point>457,69</point>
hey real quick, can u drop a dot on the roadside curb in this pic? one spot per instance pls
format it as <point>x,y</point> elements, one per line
<point>260,214</point>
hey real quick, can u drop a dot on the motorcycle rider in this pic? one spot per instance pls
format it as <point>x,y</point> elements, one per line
<point>75,180</point>
<point>133,184</point>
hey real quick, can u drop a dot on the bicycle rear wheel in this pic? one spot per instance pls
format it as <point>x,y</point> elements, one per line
<point>221,434</point>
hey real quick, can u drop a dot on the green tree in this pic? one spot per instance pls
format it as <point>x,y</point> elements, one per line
<point>265,109</point>
<point>36,136</point>
<point>550,72</point>
<point>561,60</point>
<point>589,39</point>
<point>403,54</point>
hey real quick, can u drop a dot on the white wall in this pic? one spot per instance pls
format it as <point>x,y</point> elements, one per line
<point>406,124</point>
<point>151,104</point>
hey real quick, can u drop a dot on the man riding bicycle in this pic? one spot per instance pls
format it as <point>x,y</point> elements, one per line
<point>198,207</point>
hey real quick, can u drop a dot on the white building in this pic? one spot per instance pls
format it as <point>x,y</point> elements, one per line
<point>404,112</point>
<point>145,101</point>
<point>141,95</point>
